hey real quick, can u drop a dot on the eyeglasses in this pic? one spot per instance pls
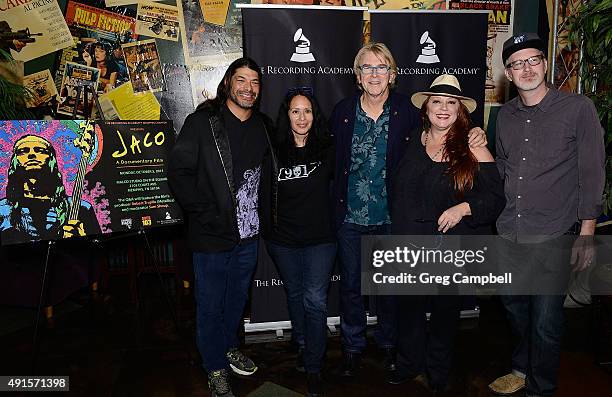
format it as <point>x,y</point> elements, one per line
<point>520,64</point>
<point>380,69</point>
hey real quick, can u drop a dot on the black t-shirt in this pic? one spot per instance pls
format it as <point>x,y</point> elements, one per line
<point>304,201</point>
<point>248,144</point>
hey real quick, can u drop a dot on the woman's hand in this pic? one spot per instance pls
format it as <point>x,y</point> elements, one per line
<point>477,137</point>
<point>452,216</point>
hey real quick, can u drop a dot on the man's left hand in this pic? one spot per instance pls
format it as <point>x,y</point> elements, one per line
<point>477,137</point>
<point>583,253</point>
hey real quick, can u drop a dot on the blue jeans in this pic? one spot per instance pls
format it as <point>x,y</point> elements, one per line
<point>306,272</point>
<point>537,321</point>
<point>537,324</point>
<point>352,308</point>
<point>222,281</point>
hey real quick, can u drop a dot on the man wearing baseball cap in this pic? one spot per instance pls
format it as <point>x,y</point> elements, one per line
<point>550,153</point>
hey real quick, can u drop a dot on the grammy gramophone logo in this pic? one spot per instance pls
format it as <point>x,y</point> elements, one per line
<point>428,50</point>
<point>302,52</point>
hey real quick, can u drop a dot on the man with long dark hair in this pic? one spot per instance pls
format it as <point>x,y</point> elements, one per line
<point>214,171</point>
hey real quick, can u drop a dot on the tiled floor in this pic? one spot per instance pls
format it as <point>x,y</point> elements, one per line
<point>110,347</point>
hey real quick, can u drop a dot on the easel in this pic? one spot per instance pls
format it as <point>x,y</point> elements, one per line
<point>84,90</point>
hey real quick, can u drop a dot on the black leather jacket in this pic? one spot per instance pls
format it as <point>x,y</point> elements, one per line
<point>201,177</point>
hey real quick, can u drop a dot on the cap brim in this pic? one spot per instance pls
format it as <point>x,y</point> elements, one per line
<point>420,97</point>
<point>532,43</point>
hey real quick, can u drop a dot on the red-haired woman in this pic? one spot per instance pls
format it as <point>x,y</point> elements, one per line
<point>442,186</point>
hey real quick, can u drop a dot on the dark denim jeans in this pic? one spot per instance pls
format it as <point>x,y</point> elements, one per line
<point>305,272</point>
<point>222,281</point>
<point>537,324</point>
<point>537,321</point>
<point>422,352</point>
<point>352,308</point>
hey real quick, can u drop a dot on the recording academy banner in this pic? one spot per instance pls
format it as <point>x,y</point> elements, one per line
<point>303,46</point>
<point>70,178</point>
<point>426,44</point>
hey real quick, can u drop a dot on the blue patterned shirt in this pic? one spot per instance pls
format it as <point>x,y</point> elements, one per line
<point>367,190</point>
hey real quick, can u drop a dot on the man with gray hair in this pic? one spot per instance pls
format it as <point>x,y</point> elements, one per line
<point>550,153</point>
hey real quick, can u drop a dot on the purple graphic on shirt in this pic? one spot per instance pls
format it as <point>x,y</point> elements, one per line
<point>248,200</point>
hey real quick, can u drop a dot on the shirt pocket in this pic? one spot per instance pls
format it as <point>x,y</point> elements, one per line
<point>553,144</point>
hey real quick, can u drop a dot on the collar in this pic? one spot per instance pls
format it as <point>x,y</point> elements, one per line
<point>544,105</point>
<point>386,106</point>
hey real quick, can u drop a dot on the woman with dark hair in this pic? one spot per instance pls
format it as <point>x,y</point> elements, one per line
<point>99,55</point>
<point>443,186</point>
<point>300,239</point>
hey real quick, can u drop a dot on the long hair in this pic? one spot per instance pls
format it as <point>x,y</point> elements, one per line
<point>224,87</point>
<point>318,138</point>
<point>462,165</point>
<point>53,187</point>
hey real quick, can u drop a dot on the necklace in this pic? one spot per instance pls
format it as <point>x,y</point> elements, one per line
<point>439,150</point>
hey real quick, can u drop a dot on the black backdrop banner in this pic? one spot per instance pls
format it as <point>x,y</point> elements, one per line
<point>303,47</point>
<point>426,44</point>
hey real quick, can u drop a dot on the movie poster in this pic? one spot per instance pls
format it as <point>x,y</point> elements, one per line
<point>176,101</point>
<point>144,67</point>
<point>115,3</point>
<point>41,86</point>
<point>45,189</point>
<point>97,36</point>
<point>208,42</point>
<point>78,85</point>
<point>136,167</point>
<point>204,80</point>
<point>68,178</point>
<point>31,29</point>
<point>567,58</point>
<point>499,30</point>
<point>157,20</point>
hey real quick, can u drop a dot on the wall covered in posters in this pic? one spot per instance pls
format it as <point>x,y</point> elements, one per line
<point>63,179</point>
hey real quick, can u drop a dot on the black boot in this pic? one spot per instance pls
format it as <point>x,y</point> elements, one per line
<point>315,385</point>
<point>299,361</point>
<point>350,365</point>
<point>389,359</point>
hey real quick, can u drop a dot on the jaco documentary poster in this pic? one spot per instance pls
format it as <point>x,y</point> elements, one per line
<point>59,179</point>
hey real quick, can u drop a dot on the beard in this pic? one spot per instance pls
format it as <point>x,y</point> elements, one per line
<point>244,103</point>
<point>529,81</point>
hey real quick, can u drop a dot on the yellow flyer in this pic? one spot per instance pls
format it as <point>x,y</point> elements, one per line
<point>215,11</point>
<point>131,106</point>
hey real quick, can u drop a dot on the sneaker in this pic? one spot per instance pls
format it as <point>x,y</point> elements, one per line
<point>240,364</point>
<point>299,361</point>
<point>315,385</point>
<point>218,384</point>
<point>507,384</point>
